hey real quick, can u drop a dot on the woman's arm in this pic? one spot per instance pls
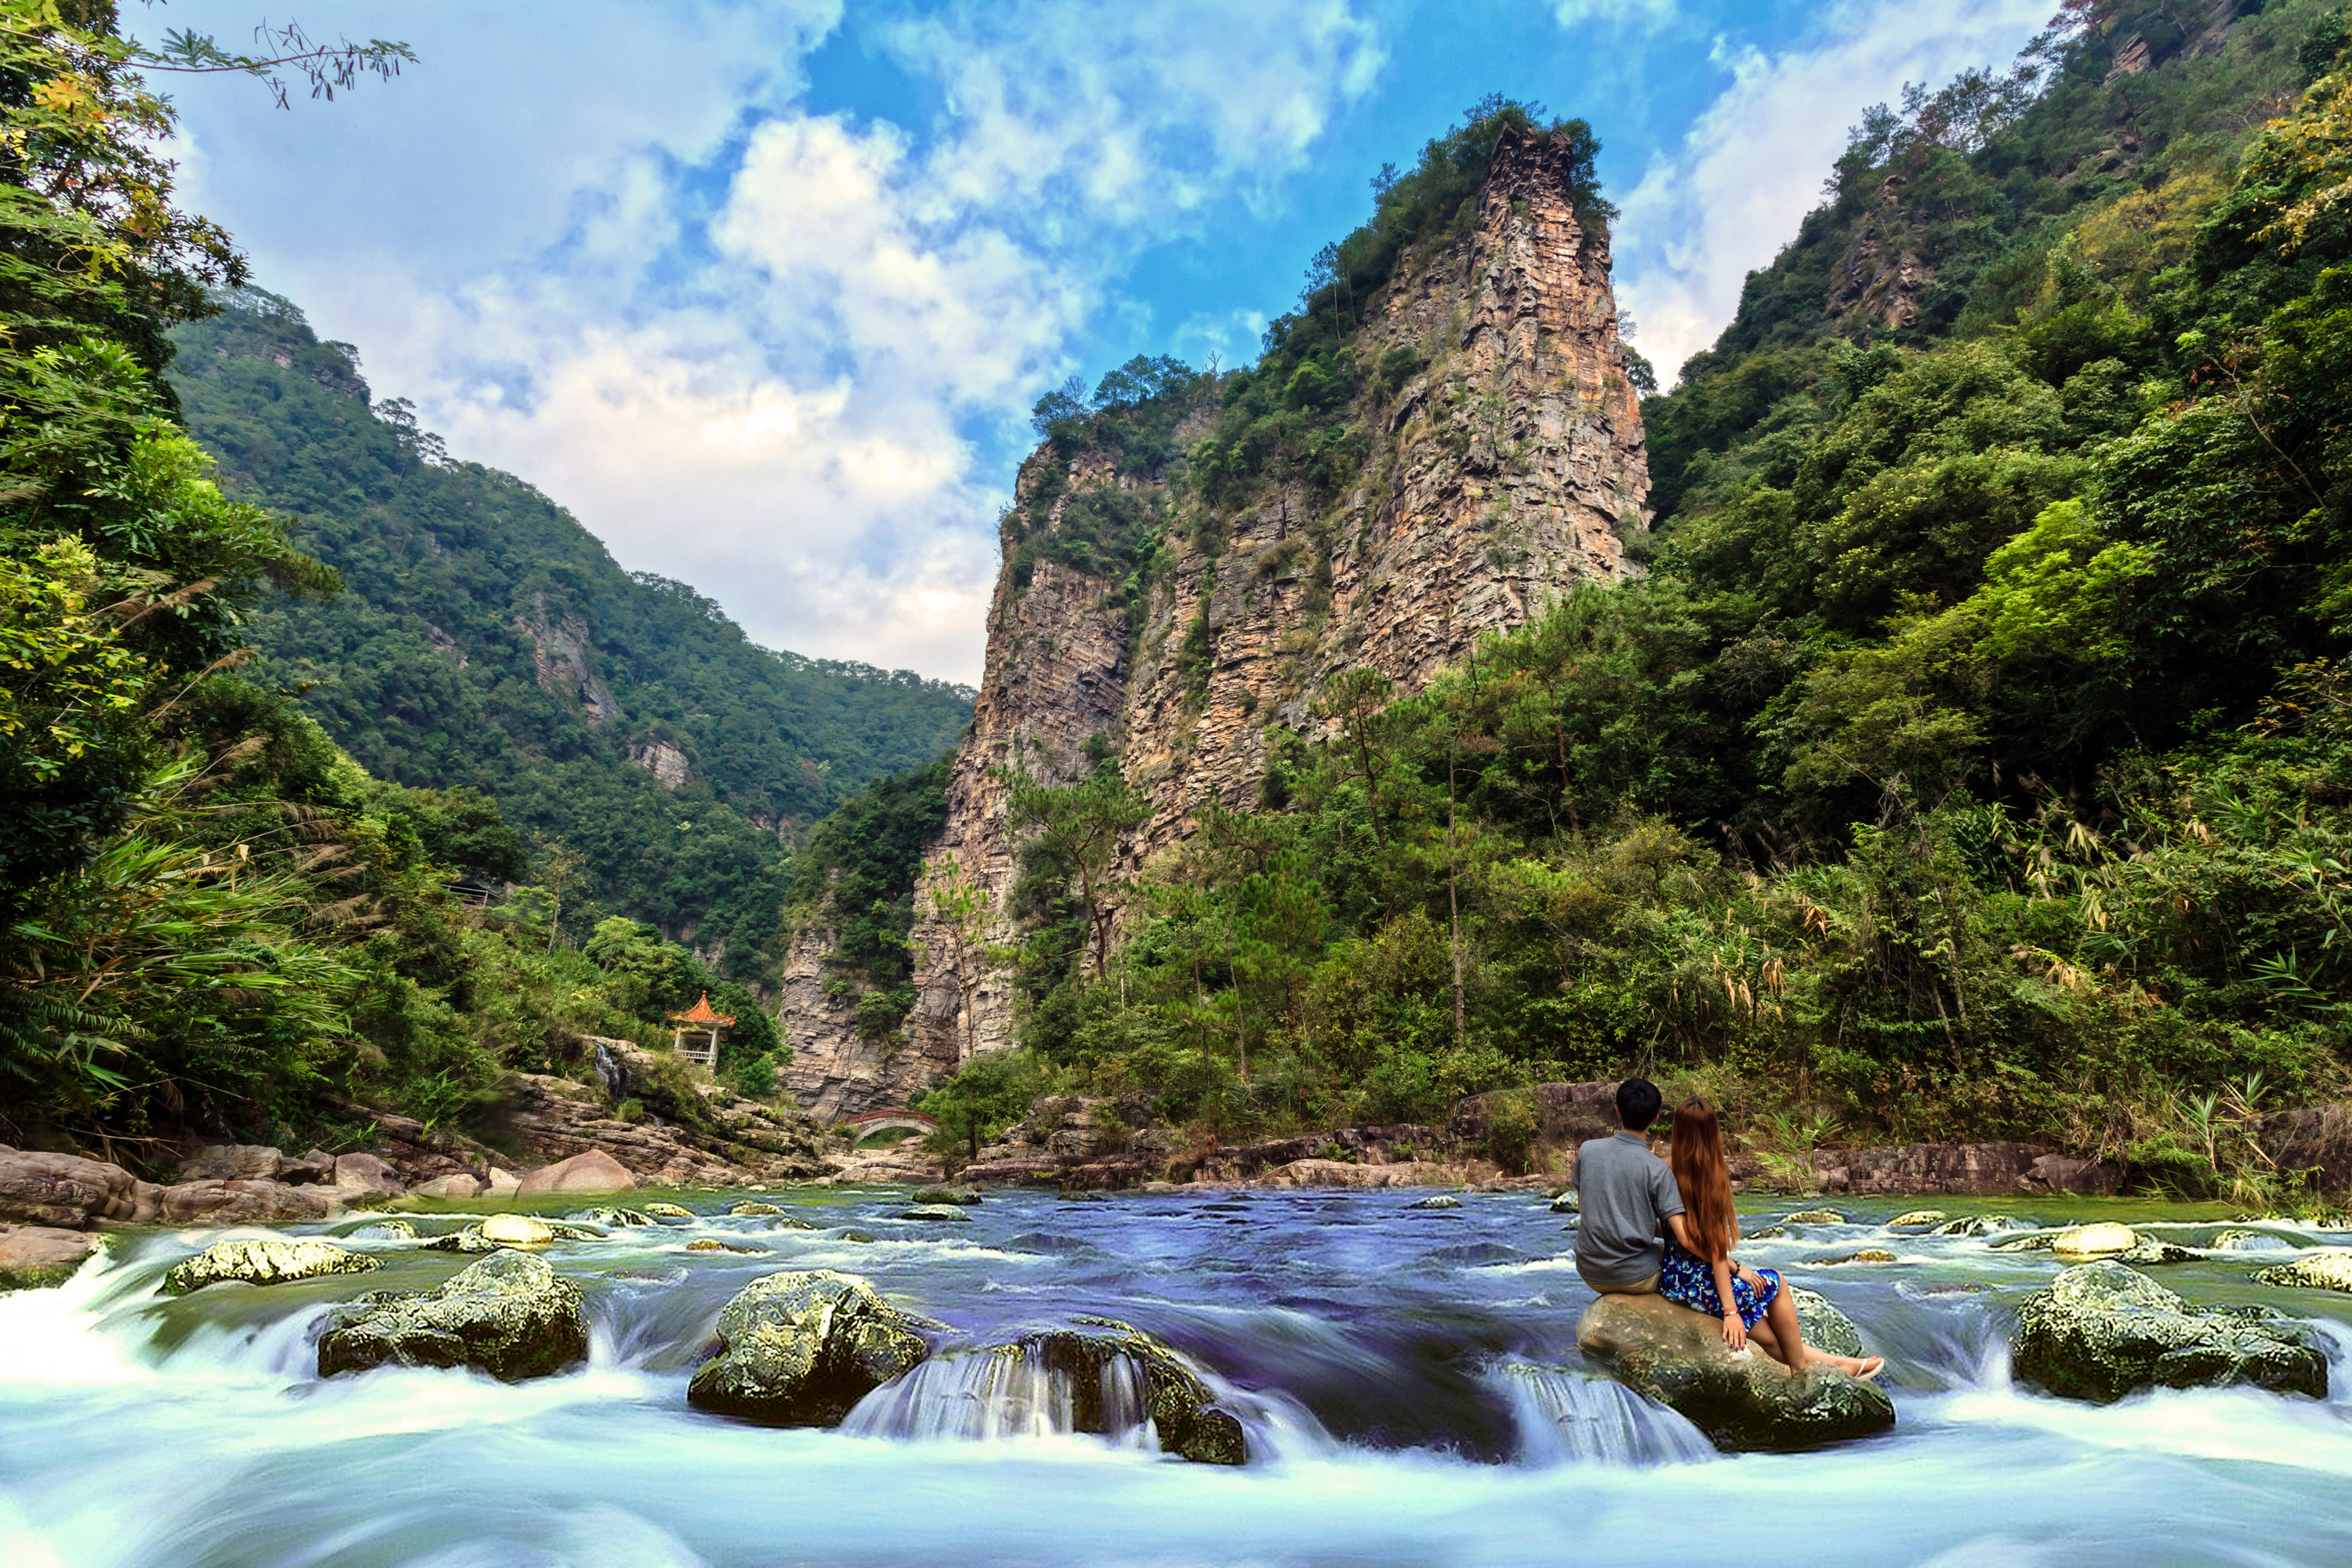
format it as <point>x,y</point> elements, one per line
<point>1735,1329</point>
<point>1680,1229</point>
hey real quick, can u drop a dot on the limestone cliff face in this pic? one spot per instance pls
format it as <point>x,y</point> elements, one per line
<point>1505,472</point>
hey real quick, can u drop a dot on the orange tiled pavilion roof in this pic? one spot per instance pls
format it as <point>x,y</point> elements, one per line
<point>700,1012</point>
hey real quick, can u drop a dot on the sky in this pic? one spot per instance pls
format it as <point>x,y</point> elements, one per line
<point>763,290</point>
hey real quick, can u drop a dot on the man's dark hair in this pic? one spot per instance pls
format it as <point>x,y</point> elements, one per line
<point>1637,1103</point>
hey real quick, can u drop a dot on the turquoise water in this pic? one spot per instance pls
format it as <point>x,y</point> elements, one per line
<point>1407,1378</point>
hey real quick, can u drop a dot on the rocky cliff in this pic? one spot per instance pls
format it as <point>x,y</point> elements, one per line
<point>1504,469</point>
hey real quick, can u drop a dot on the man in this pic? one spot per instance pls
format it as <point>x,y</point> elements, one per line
<point>1624,1195</point>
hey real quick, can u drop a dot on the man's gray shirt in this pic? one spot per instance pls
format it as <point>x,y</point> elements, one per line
<point>1623,1194</point>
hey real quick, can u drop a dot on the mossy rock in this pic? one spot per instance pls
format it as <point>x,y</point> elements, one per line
<point>1091,1355</point>
<point>746,1210</point>
<point>668,1211</point>
<point>802,1348</point>
<point>1860,1255</point>
<point>2101,1331</point>
<point>1566,1203</point>
<point>2326,1268</point>
<point>616,1218</point>
<point>1918,1218</point>
<point>510,1315</point>
<point>937,1213</point>
<point>2035,1241</point>
<point>859,1237</point>
<point>1980,1226</point>
<point>1814,1216</point>
<point>265,1260</point>
<point>963,1197</point>
<point>710,1244</point>
<point>1436,1201</point>
<point>1825,1328</point>
<point>1742,1401</point>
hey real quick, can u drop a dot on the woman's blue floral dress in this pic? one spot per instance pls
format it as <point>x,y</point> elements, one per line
<point>1689,1281</point>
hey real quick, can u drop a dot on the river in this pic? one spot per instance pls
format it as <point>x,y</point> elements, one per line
<point>1408,1379</point>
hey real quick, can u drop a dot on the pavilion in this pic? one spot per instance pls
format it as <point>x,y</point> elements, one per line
<point>701,1020</point>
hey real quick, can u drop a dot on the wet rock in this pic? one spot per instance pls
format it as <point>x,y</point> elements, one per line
<point>594,1172</point>
<point>33,1257</point>
<point>242,1202</point>
<point>1093,1356</point>
<point>937,1213</point>
<point>2084,1243</point>
<point>359,1177</point>
<point>746,1210</point>
<point>789,1222</point>
<point>2038,1241</point>
<point>1813,1216</point>
<point>616,1217</point>
<point>2326,1268</point>
<point>385,1230</point>
<point>457,1184</point>
<point>2244,1241</point>
<point>510,1315</point>
<point>1980,1225</point>
<point>1825,1328</point>
<point>1917,1217</point>
<point>668,1211</point>
<point>2149,1250</point>
<point>1069,1196</point>
<point>1861,1255</point>
<point>859,1237</point>
<point>1772,1233</point>
<point>2101,1331</point>
<point>517,1230</point>
<point>801,1348</point>
<point>1742,1401</point>
<point>711,1244</point>
<point>1436,1201</point>
<point>943,1193</point>
<point>1565,1202</point>
<point>266,1260</point>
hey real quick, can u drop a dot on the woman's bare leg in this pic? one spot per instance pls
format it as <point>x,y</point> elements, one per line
<point>1786,1342</point>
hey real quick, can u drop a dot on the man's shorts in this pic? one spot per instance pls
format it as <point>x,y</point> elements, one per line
<point>1648,1287</point>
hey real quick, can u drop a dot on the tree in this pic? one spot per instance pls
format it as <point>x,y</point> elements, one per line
<point>1082,824</point>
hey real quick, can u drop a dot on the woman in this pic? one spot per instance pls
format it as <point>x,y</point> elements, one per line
<point>1698,1272</point>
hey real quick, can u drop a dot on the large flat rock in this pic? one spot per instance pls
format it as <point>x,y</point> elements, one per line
<point>1741,1400</point>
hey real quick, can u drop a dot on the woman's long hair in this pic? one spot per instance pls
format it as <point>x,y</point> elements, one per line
<point>1696,1157</point>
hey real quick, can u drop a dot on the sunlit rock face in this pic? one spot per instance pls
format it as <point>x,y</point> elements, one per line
<point>1506,470</point>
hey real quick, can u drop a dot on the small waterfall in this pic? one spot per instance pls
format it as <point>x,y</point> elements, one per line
<point>1564,1417</point>
<point>612,1071</point>
<point>1004,1392</point>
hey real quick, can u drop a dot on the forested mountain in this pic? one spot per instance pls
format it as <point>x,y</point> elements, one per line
<point>1973,758</point>
<point>483,638</point>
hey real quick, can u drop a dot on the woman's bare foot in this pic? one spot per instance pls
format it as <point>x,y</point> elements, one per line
<point>1863,1367</point>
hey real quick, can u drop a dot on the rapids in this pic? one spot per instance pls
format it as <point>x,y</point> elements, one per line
<point>1407,1378</point>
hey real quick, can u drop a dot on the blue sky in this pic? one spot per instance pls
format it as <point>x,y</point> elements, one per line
<point>762,290</point>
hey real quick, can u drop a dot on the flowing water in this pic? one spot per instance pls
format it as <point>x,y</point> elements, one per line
<point>1408,1379</point>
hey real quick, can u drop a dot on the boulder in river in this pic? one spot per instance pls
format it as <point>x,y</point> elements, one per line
<point>803,1347</point>
<point>264,1260</point>
<point>594,1172</point>
<point>1107,1363</point>
<point>1565,1202</point>
<point>937,1213</point>
<point>1825,1328</point>
<point>748,1210</point>
<point>1741,1400</point>
<point>2325,1268</point>
<point>668,1211</point>
<point>1921,1217</point>
<point>617,1218</point>
<point>1980,1225</point>
<point>1813,1216</point>
<point>1436,1201</point>
<point>1861,1255</point>
<point>947,1193</point>
<point>2086,1243</point>
<point>2101,1331</point>
<point>34,1255</point>
<point>510,1315</point>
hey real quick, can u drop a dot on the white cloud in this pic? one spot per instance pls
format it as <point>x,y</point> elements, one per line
<point>1725,201</point>
<point>751,346</point>
<point>1643,14</point>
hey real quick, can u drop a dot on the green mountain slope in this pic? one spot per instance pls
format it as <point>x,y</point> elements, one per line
<point>485,638</point>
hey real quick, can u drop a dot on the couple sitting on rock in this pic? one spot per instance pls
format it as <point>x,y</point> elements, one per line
<point>1667,1226</point>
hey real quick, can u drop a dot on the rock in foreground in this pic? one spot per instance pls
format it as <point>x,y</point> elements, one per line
<point>2101,1331</point>
<point>1746,1401</point>
<point>267,1260</point>
<point>801,1348</point>
<point>510,1315</point>
<point>34,1255</point>
<point>1107,1362</point>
